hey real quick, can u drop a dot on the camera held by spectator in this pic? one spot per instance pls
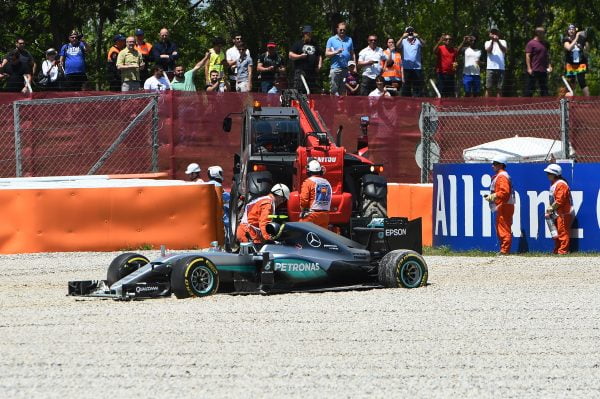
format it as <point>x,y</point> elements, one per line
<point>410,31</point>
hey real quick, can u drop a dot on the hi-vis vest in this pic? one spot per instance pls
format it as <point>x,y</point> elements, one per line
<point>553,199</point>
<point>511,198</point>
<point>322,201</point>
<point>249,208</point>
<point>395,71</point>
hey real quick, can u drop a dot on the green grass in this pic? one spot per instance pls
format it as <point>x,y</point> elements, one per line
<point>446,251</point>
<point>141,247</point>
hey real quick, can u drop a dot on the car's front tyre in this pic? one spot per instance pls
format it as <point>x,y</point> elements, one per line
<point>194,276</point>
<point>402,268</point>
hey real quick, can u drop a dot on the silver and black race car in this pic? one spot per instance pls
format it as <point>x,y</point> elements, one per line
<point>301,257</point>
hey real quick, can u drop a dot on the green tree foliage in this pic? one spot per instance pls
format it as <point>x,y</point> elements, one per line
<point>193,24</point>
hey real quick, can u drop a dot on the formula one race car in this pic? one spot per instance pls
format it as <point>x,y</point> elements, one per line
<point>302,257</point>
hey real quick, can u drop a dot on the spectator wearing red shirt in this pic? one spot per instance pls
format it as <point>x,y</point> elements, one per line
<point>537,58</point>
<point>446,65</point>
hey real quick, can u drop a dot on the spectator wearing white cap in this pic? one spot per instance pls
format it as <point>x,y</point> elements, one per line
<point>50,71</point>
<point>352,80</point>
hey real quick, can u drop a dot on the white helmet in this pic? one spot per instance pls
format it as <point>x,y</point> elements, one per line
<point>215,172</point>
<point>314,166</point>
<point>192,168</point>
<point>500,158</point>
<point>281,190</point>
<point>553,169</point>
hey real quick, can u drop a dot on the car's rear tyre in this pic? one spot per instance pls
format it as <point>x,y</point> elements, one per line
<point>123,265</point>
<point>194,276</point>
<point>402,268</point>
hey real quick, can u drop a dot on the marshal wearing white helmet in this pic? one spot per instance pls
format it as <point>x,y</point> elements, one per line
<point>560,212</point>
<point>215,173</point>
<point>253,226</point>
<point>315,196</point>
<point>193,171</point>
<point>502,202</point>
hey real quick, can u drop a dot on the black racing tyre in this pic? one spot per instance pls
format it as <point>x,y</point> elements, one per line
<point>194,276</point>
<point>123,265</point>
<point>402,269</point>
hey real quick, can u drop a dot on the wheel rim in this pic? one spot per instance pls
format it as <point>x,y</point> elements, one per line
<point>411,273</point>
<point>202,280</point>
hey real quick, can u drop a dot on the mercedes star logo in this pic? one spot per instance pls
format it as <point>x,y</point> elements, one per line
<point>313,240</point>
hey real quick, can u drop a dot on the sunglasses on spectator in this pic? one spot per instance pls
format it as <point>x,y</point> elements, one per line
<point>372,40</point>
<point>341,30</point>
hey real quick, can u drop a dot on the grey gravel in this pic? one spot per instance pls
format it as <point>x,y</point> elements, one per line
<point>484,327</point>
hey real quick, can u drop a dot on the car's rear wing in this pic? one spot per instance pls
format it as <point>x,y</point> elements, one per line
<point>387,234</point>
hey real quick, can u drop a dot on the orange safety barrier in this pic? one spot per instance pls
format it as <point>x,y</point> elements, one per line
<point>109,219</point>
<point>412,201</point>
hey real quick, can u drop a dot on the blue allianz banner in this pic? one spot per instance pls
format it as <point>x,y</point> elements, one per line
<point>462,219</point>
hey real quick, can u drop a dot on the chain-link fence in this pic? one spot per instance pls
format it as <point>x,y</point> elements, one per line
<point>80,135</point>
<point>452,133</point>
<point>584,128</point>
<point>7,140</point>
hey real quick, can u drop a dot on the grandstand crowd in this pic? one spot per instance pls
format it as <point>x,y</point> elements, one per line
<point>389,66</point>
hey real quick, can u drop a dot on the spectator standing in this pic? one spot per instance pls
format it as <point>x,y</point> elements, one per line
<point>352,80</point>
<point>216,60</point>
<point>380,90</point>
<point>232,55</point>
<point>269,66</point>
<point>243,77</point>
<point>410,46</point>
<point>72,60</point>
<point>537,58</point>
<point>24,56</point>
<point>392,65</point>
<point>164,53</point>
<point>129,63</point>
<point>307,58</point>
<point>184,81</point>
<point>340,49</point>
<point>496,52</point>
<point>157,82</point>
<point>50,71</point>
<point>446,65</point>
<point>16,73</point>
<point>113,74</point>
<point>216,84</point>
<point>145,49</point>
<point>471,70</point>
<point>369,59</point>
<point>575,44</point>
<point>502,201</point>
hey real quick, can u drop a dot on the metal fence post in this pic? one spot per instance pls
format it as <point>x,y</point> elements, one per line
<point>17,128</point>
<point>426,142</point>
<point>155,143</point>
<point>564,127</point>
